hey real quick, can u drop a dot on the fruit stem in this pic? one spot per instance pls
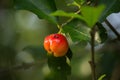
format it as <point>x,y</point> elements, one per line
<point>60,28</point>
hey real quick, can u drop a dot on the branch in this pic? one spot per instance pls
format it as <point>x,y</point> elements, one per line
<point>112,28</point>
<point>92,62</point>
<point>69,20</point>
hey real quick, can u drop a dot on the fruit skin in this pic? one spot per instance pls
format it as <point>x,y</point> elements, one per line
<point>56,44</point>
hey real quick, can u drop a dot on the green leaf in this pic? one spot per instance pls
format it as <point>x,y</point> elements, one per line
<point>91,14</point>
<point>65,14</point>
<point>75,34</point>
<point>101,77</point>
<point>59,69</point>
<point>74,4</point>
<point>42,8</point>
<point>112,6</point>
<point>69,54</point>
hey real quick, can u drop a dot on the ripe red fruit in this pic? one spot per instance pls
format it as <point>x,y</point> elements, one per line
<point>56,44</point>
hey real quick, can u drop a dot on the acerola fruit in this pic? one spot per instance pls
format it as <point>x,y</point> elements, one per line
<point>56,44</point>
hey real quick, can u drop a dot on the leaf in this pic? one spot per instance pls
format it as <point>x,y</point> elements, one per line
<point>75,34</point>
<point>101,77</point>
<point>74,4</point>
<point>59,69</point>
<point>65,14</point>
<point>111,7</point>
<point>91,14</point>
<point>69,54</point>
<point>42,8</point>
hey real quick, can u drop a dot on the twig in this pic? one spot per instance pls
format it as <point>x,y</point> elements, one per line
<point>92,62</point>
<point>69,20</point>
<point>112,28</point>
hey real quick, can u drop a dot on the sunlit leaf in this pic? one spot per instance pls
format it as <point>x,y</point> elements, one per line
<point>65,14</point>
<point>74,4</point>
<point>92,14</point>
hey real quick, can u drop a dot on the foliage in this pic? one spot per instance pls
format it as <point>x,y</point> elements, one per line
<point>43,9</point>
<point>87,14</point>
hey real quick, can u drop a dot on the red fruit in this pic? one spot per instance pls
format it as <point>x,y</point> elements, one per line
<point>56,44</point>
